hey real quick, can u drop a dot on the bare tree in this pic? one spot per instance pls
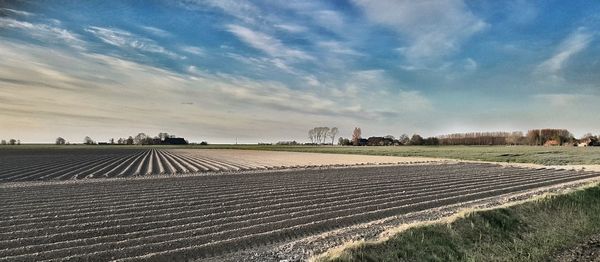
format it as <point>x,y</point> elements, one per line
<point>129,141</point>
<point>324,131</point>
<point>163,136</point>
<point>344,142</point>
<point>60,141</point>
<point>533,137</point>
<point>403,139</point>
<point>318,134</point>
<point>312,135</point>
<point>515,138</point>
<point>3,142</point>
<point>111,141</point>
<point>587,135</point>
<point>332,133</point>
<point>88,141</point>
<point>356,135</point>
<point>140,139</point>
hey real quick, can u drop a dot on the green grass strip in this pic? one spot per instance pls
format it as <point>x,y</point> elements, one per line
<point>530,231</point>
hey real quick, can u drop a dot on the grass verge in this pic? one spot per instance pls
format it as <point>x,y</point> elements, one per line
<point>529,231</point>
<point>513,154</point>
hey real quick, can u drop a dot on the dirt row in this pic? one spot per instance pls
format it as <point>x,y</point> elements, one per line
<point>181,218</point>
<point>78,164</point>
<point>69,164</point>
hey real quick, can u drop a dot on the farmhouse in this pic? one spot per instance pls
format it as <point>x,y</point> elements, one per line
<point>585,142</point>
<point>363,142</point>
<point>379,141</point>
<point>552,142</point>
<point>175,141</point>
<point>169,141</point>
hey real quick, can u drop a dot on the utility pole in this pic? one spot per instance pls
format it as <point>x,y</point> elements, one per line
<point>236,140</point>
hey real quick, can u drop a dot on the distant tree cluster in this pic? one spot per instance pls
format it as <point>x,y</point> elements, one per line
<point>139,139</point>
<point>287,143</point>
<point>322,135</point>
<point>344,142</point>
<point>162,138</point>
<point>11,142</point>
<point>88,141</point>
<point>546,137</point>
<point>482,138</point>
<point>388,140</point>
<point>417,140</point>
<point>534,137</point>
<point>60,141</point>
<point>538,137</point>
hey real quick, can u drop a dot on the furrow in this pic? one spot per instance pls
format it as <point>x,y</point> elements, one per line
<point>182,239</point>
<point>378,198</point>
<point>207,195</point>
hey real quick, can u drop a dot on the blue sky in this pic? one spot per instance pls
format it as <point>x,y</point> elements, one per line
<point>270,70</point>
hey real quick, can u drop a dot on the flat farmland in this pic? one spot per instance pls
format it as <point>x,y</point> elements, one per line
<point>181,218</point>
<point>558,155</point>
<point>33,164</point>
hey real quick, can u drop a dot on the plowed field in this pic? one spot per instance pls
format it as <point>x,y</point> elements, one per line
<point>195,217</point>
<point>65,164</point>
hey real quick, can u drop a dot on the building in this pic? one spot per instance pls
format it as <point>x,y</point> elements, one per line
<point>552,142</point>
<point>585,142</point>
<point>175,141</point>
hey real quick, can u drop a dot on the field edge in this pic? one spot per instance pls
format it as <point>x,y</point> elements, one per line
<point>533,229</point>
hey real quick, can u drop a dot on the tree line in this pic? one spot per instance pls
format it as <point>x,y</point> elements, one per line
<point>388,140</point>
<point>11,142</point>
<point>139,139</point>
<point>539,137</point>
<point>321,135</point>
<point>482,138</point>
<point>533,137</point>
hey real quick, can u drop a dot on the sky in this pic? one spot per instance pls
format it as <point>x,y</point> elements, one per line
<point>265,71</point>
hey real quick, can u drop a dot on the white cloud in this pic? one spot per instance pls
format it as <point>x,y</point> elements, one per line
<point>16,12</point>
<point>329,19</point>
<point>266,43</point>
<point>126,40</point>
<point>263,63</point>
<point>156,31</point>
<point>337,47</point>
<point>193,50</point>
<point>312,80</point>
<point>216,105</point>
<point>433,29</point>
<point>560,100</point>
<point>292,28</point>
<point>377,96</point>
<point>317,13</point>
<point>522,11</point>
<point>242,10</point>
<point>470,64</point>
<point>43,32</point>
<point>572,45</point>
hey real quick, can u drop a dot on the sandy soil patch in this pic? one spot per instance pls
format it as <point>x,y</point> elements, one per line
<point>291,159</point>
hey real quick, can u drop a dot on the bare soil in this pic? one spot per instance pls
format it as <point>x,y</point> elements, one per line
<point>85,163</point>
<point>243,216</point>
